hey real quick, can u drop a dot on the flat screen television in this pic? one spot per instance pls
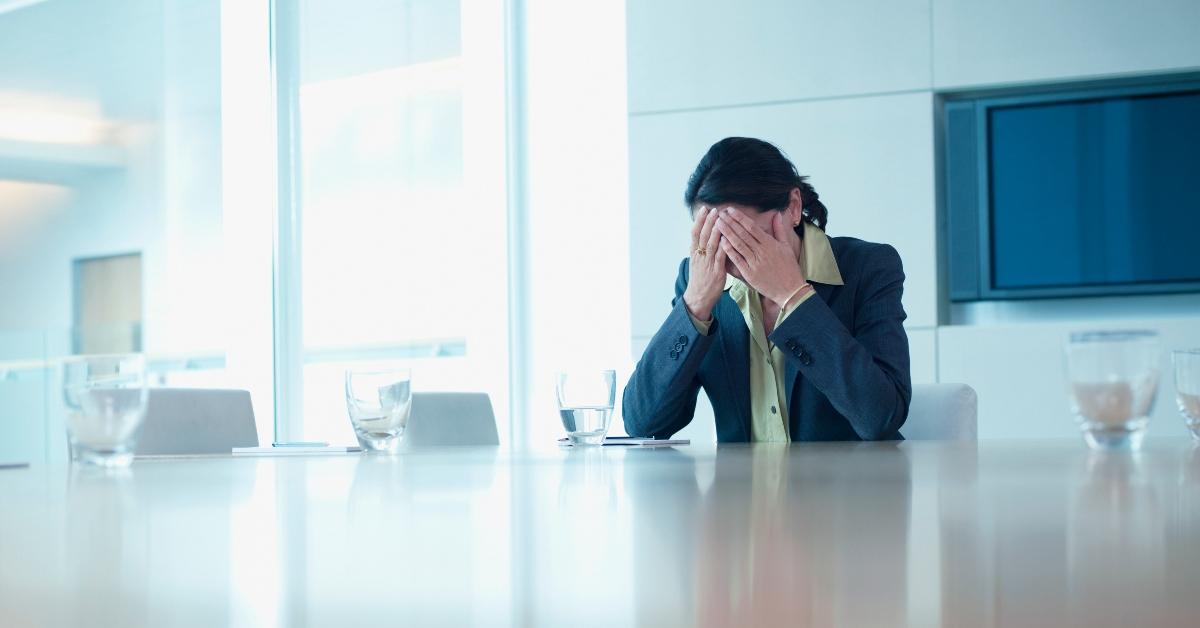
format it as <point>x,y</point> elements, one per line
<point>1073,193</point>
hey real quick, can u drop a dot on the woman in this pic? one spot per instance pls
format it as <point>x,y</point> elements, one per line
<point>793,336</point>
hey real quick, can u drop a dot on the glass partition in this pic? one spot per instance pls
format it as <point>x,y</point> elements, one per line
<point>113,200</point>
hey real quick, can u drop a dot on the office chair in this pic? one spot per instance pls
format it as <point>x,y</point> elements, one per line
<point>451,418</point>
<point>196,421</point>
<point>942,412</point>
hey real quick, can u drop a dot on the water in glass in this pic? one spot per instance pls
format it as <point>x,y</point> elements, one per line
<point>105,400</point>
<point>1113,379</point>
<point>586,424</point>
<point>585,404</point>
<point>379,404</point>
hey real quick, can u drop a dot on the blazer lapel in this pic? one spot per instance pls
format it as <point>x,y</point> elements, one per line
<point>735,339</point>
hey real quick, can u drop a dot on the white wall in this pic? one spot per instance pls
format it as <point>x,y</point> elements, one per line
<point>1021,41</point>
<point>848,91</point>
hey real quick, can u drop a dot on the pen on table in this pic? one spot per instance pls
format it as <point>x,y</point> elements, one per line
<point>301,444</point>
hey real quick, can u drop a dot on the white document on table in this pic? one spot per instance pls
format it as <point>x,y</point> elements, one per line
<point>634,441</point>
<point>295,451</point>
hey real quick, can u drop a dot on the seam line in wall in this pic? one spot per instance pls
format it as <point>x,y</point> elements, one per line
<point>932,80</point>
<point>789,101</point>
<point>937,356</point>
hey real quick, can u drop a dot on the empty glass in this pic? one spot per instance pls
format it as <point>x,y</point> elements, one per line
<point>379,402</point>
<point>1187,388</point>
<point>1113,379</point>
<point>585,403</point>
<point>105,400</point>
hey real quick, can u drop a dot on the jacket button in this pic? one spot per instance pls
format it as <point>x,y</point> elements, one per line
<point>678,347</point>
<point>683,340</point>
<point>674,354</point>
<point>791,343</point>
<point>772,409</point>
<point>805,358</point>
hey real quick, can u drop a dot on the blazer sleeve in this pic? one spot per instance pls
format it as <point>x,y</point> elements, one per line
<point>864,372</point>
<point>660,397</point>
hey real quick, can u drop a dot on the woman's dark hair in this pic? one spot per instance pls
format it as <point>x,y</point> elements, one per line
<point>752,172</point>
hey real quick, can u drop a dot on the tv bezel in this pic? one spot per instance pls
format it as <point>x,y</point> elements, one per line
<point>983,104</point>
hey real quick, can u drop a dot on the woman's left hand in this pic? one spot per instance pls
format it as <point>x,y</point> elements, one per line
<point>767,261</point>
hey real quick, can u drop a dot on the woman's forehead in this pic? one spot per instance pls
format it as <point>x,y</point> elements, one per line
<point>745,209</point>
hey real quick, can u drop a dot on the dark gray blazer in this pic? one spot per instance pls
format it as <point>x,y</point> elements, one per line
<point>847,359</point>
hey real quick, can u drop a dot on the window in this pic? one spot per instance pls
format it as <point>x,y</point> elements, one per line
<point>311,186</point>
<point>395,227</point>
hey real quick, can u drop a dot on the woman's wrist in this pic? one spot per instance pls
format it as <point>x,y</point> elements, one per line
<point>699,310</point>
<point>795,295</point>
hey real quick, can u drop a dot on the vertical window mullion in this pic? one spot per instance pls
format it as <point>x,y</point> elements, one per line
<point>288,321</point>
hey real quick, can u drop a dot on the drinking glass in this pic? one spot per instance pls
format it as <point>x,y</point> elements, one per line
<point>1187,388</point>
<point>105,400</point>
<point>585,403</point>
<point>379,402</point>
<point>1113,378</point>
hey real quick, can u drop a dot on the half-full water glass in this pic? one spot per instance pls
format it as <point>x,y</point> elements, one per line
<point>585,404</point>
<point>1187,388</point>
<point>379,403</point>
<point>1113,379</point>
<point>105,400</point>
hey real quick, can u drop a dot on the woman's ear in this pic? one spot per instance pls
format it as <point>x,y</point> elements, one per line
<point>795,209</point>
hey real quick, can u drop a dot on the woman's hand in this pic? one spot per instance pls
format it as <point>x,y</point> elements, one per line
<point>706,270</point>
<point>767,261</point>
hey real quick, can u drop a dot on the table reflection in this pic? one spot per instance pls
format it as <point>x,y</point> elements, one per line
<point>810,538</point>
<point>918,534</point>
<point>1054,537</point>
<point>105,540</point>
<point>1115,546</point>
<point>116,526</point>
<point>419,538</point>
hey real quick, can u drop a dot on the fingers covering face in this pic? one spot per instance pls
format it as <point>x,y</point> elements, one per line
<point>778,230</point>
<point>734,256</point>
<point>698,224</point>
<point>751,232</point>
<point>712,240</point>
<point>737,236</point>
<point>707,229</point>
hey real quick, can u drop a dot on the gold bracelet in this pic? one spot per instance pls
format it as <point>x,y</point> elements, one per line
<point>795,292</point>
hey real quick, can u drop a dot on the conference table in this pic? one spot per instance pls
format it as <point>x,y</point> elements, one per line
<point>999,533</point>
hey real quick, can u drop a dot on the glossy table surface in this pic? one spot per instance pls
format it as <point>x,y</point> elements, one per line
<point>917,534</point>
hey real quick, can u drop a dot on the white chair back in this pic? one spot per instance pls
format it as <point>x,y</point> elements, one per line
<point>942,412</point>
<point>196,421</point>
<point>451,418</point>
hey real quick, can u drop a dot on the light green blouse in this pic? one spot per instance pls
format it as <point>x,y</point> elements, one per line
<point>768,397</point>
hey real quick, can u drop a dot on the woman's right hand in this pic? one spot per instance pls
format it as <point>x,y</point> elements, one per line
<point>706,270</point>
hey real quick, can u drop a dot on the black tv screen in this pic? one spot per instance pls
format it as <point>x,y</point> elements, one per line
<point>1095,192</point>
